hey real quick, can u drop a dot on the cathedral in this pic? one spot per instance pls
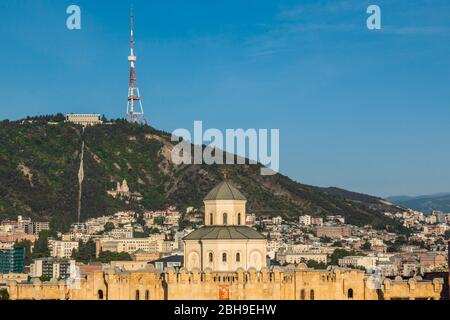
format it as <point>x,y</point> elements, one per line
<point>225,243</point>
<point>226,260</point>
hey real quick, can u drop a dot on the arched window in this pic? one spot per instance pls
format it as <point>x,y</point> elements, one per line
<point>225,219</point>
<point>350,293</point>
<point>238,257</point>
<point>302,294</point>
<point>311,295</point>
<point>147,295</point>
<point>211,219</point>
<point>224,257</point>
<point>211,257</point>
<point>239,219</point>
<point>100,294</point>
<point>137,295</point>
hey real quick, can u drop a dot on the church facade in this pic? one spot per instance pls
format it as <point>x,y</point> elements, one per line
<point>225,243</point>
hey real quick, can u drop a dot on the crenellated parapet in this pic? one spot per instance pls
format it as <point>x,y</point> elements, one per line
<point>294,282</point>
<point>251,276</point>
<point>412,289</point>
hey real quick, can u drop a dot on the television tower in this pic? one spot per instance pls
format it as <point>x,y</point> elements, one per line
<point>135,111</point>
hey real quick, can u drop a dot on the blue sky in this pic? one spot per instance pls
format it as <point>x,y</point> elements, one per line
<point>363,110</point>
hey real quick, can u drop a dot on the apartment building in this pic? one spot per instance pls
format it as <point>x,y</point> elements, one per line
<point>333,231</point>
<point>53,268</point>
<point>62,249</point>
<point>151,244</point>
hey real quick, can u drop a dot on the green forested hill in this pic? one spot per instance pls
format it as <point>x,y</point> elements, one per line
<point>39,165</point>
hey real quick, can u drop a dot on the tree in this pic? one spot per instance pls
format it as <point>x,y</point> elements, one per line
<point>109,226</point>
<point>366,246</point>
<point>107,256</point>
<point>447,235</point>
<point>41,245</point>
<point>86,252</point>
<point>400,241</point>
<point>350,266</point>
<point>184,224</point>
<point>337,244</point>
<point>140,219</point>
<point>44,278</point>
<point>140,235</point>
<point>4,295</point>
<point>155,231</point>
<point>159,221</point>
<point>392,249</point>
<point>326,239</point>
<point>316,265</point>
<point>397,244</point>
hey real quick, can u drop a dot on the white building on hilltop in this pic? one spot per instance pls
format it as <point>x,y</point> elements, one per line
<point>84,119</point>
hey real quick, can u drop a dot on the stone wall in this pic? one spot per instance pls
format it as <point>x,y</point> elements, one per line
<point>292,283</point>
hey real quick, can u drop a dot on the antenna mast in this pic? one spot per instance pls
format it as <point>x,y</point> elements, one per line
<point>135,110</point>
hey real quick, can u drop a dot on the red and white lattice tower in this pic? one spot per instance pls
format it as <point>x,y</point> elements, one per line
<point>135,111</point>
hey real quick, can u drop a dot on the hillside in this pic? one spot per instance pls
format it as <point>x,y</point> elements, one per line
<point>39,165</point>
<point>425,204</point>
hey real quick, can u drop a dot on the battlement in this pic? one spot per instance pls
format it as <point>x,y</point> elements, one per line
<point>290,283</point>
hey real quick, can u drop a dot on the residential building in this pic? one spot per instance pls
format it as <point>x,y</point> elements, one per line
<point>250,219</point>
<point>277,220</point>
<point>151,245</point>
<point>163,264</point>
<point>295,258</point>
<point>410,269</point>
<point>53,268</point>
<point>333,231</point>
<point>129,265</point>
<point>62,249</point>
<point>304,220</point>
<point>121,233</point>
<point>317,221</point>
<point>367,262</point>
<point>37,227</point>
<point>141,255</point>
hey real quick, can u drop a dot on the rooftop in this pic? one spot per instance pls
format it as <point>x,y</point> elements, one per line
<point>225,191</point>
<point>224,232</point>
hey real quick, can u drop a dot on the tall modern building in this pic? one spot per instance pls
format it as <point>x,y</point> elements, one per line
<point>12,260</point>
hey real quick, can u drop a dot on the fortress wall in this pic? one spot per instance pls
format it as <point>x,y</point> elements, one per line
<point>412,289</point>
<point>294,283</point>
<point>238,285</point>
<point>335,284</point>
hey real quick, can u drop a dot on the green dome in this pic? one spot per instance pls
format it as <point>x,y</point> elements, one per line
<point>225,191</point>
